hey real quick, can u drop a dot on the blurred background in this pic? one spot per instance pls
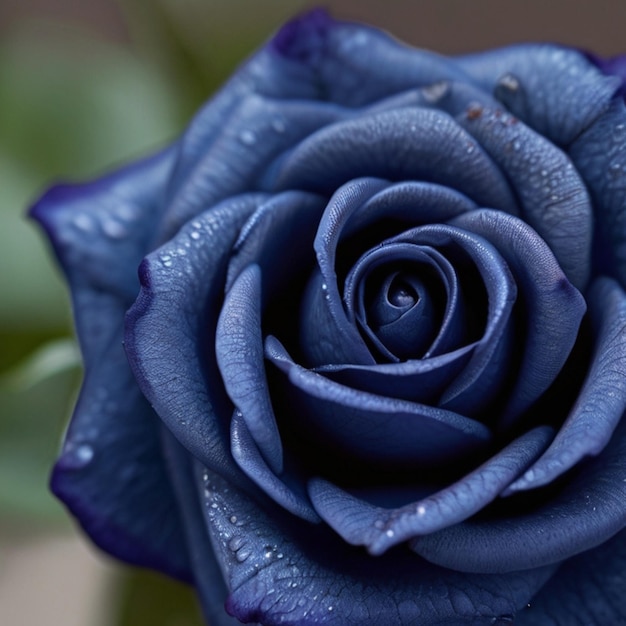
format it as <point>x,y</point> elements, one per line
<point>85,86</point>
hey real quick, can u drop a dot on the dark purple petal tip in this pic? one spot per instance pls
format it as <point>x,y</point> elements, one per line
<point>303,38</point>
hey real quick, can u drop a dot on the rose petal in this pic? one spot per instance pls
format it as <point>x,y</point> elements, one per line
<point>553,197</point>
<point>100,231</point>
<point>420,380</point>
<point>555,90</point>
<point>408,203</point>
<point>586,512</point>
<point>446,329</point>
<point>599,154</point>
<point>353,64</point>
<point>601,402</point>
<point>284,573</point>
<point>237,159</point>
<point>284,489</point>
<point>553,309</point>
<point>239,354</point>
<point>327,336</point>
<point>477,384</point>
<point>206,568</point>
<point>409,143</point>
<point>587,589</point>
<point>167,327</point>
<point>377,528</point>
<point>375,428</point>
<point>287,222</point>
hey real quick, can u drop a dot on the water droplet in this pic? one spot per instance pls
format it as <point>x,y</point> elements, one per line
<point>510,82</point>
<point>233,519</point>
<point>77,456</point>
<point>390,533</point>
<point>235,543</point>
<point>166,260</point>
<point>436,91</point>
<point>529,475</point>
<point>268,552</point>
<point>194,234</point>
<point>421,510</point>
<point>280,555</point>
<point>544,172</point>
<point>517,145</point>
<point>247,137</point>
<point>83,222</point>
<point>242,555</point>
<point>279,126</point>
<point>114,229</point>
<point>470,149</point>
<point>330,608</point>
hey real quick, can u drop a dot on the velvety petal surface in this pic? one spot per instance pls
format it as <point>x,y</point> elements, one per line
<point>174,318</point>
<point>239,353</point>
<point>403,144</point>
<point>588,589</point>
<point>587,511</point>
<point>553,308</point>
<point>377,528</point>
<point>100,231</point>
<point>553,198</point>
<point>255,133</point>
<point>375,428</point>
<point>599,154</point>
<point>601,402</point>
<point>283,573</point>
<point>553,89</point>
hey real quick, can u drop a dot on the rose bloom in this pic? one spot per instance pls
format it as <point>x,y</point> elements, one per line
<point>354,345</point>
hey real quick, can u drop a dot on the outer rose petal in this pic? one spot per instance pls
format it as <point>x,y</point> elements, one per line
<point>283,573</point>
<point>100,231</point>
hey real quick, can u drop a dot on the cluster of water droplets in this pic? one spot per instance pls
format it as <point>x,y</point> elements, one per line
<point>115,223</point>
<point>243,542</point>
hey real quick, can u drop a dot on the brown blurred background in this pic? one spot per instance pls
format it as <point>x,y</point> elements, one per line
<point>88,83</point>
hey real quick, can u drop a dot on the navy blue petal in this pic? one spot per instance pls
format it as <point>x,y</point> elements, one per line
<point>238,158</point>
<point>599,154</point>
<point>327,336</point>
<point>239,353</point>
<point>409,202</point>
<point>111,473</point>
<point>100,231</point>
<point>554,90</point>
<point>206,569</point>
<point>553,308</point>
<point>587,589</point>
<point>352,64</point>
<point>420,380</point>
<point>279,572</point>
<point>553,197</point>
<point>478,383</point>
<point>587,511</point>
<point>287,222</point>
<point>375,428</point>
<point>403,144</point>
<point>172,322</point>
<point>601,402</point>
<point>290,496</point>
<point>377,528</point>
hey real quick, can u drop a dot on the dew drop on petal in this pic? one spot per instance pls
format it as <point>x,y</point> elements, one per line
<point>247,137</point>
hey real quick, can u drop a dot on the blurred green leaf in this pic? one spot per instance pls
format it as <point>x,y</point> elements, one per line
<point>149,599</point>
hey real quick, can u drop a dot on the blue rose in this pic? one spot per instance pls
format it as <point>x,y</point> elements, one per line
<point>374,368</point>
